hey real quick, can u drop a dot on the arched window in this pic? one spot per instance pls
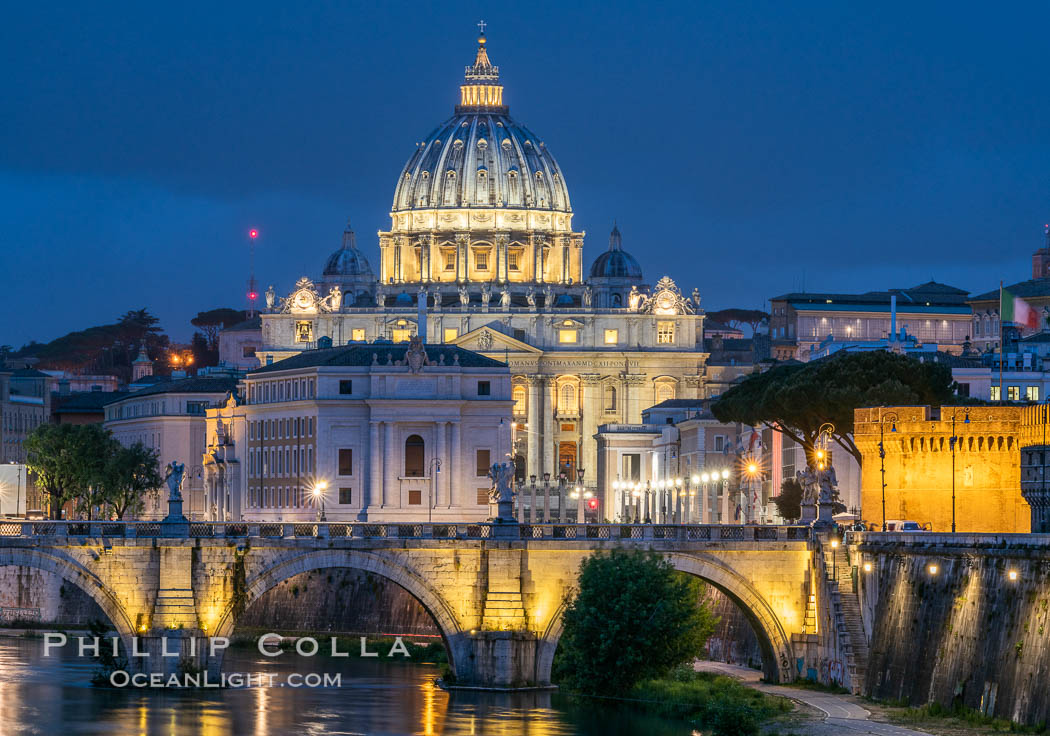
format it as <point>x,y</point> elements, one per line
<point>664,391</point>
<point>610,398</point>
<point>414,457</point>
<point>567,398</point>
<point>617,300</point>
<point>519,401</point>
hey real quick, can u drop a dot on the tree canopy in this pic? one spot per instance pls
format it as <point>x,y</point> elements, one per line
<point>212,321</point>
<point>632,618</point>
<point>789,502</point>
<point>82,463</point>
<point>734,317</point>
<point>798,398</point>
<point>108,349</point>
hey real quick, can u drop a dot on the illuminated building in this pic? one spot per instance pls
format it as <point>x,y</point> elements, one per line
<point>920,466</point>
<point>481,253</point>
<point>383,436</point>
<point>802,324</point>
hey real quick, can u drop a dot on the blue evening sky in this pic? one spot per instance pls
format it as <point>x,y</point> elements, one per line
<point>741,146</point>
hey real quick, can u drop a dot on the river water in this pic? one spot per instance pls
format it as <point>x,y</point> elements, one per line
<point>53,696</point>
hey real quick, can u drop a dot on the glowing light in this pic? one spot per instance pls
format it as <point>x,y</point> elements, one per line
<point>1012,574</point>
<point>253,295</point>
<point>752,468</point>
<point>253,233</point>
<point>932,569</point>
<point>696,479</point>
<point>867,567</point>
<point>834,544</point>
<point>592,503</point>
<point>706,477</point>
<point>725,474</point>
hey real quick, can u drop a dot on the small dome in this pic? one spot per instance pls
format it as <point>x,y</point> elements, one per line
<point>348,260</point>
<point>616,263</point>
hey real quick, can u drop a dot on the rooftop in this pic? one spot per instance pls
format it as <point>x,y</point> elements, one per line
<point>198,385</point>
<point>83,401</point>
<point>1030,288</point>
<point>931,292</point>
<point>382,354</point>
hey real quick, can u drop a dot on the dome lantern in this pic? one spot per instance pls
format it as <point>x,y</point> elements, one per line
<point>348,260</point>
<point>481,91</point>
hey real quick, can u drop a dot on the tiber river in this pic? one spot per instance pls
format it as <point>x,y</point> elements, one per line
<point>53,696</point>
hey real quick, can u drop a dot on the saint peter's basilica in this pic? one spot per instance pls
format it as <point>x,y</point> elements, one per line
<point>481,254</point>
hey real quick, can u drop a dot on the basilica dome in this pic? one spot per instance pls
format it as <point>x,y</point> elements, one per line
<point>616,263</point>
<point>481,157</point>
<point>348,261</point>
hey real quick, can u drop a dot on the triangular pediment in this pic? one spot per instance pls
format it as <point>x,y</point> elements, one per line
<point>487,340</point>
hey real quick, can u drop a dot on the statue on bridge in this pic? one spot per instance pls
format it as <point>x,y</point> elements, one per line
<point>502,493</point>
<point>176,471</point>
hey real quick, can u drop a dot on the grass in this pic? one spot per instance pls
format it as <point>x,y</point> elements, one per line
<point>959,719</point>
<point>816,686</point>
<point>709,701</point>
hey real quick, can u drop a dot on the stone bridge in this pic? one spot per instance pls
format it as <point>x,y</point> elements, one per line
<point>496,591</point>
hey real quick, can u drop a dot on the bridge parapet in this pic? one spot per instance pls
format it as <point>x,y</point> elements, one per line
<point>364,530</point>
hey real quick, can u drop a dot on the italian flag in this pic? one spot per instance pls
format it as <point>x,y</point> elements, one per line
<point>1017,310</point>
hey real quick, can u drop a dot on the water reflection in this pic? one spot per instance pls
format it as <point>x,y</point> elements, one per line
<point>53,695</point>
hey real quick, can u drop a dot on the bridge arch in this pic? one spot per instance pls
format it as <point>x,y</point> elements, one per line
<point>775,643</point>
<point>394,570</point>
<point>76,574</point>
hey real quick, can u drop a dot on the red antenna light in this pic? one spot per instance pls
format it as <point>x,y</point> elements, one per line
<point>253,233</point>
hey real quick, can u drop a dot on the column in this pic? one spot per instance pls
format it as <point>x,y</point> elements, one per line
<point>440,492</point>
<point>455,494</point>
<point>461,257</point>
<point>634,383</point>
<point>550,462</point>
<point>725,519</point>
<point>537,248</point>
<point>390,458</point>
<point>424,257</point>
<point>591,405</point>
<point>399,267</point>
<point>532,437</point>
<point>532,507</point>
<point>375,474</point>
<point>502,269</point>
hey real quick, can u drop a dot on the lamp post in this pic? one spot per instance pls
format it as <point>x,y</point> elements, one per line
<point>745,508</point>
<point>834,559</point>
<point>636,493</point>
<point>953,440</point>
<point>532,506</point>
<point>579,503</point>
<point>434,471</point>
<point>318,493</point>
<point>546,498</point>
<point>648,493</point>
<point>690,510</point>
<point>725,494</point>
<point>891,417</point>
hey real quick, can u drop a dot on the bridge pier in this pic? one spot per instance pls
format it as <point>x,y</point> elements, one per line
<point>497,660</point>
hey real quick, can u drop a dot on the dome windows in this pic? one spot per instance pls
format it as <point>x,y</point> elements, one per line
<point>482,144</point>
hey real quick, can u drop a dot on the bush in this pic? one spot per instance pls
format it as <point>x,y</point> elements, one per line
<point>633,618</point>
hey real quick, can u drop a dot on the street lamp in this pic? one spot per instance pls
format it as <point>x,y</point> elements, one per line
<point>834,559</point>
<point>318,492</point>
<point>952,441</point>
<point>435,471</point>
<point>892,417</point>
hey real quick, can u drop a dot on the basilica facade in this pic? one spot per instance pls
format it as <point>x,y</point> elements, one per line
<point>482,254</point>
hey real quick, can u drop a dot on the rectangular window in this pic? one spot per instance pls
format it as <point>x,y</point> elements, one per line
<point>196,407</point>
<point>346,496</point>
<point>612,337</point>
<point>720,443</point>
<point>451,333</point>
<point>1031,393</point>
<point>632,467</point>
<point>304,331</point>
<point>248,351</point>
<point>346,387</point>
<point>484,388</point>
<point>993,393</point>
<point>1013,393</point>
<point>400,335</point>
<point>450,260</point>
<point>514,260</point>
<point>346,461</point>
<point>481,260</point>
<point>519,334</point>
<point>567,336</point>
<point>357,334</point>
<point>483,497</point>
<point>415,498</point>
<point>665,332</point>
<point>483,458</point>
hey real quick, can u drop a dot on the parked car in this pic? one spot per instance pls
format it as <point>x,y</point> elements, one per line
<point>897,525</point>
